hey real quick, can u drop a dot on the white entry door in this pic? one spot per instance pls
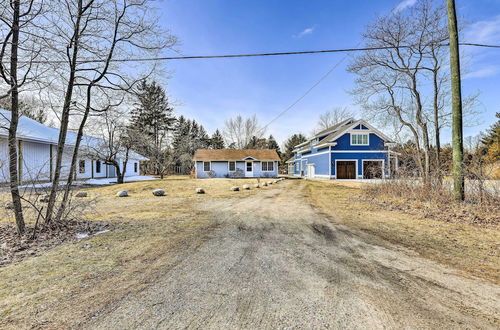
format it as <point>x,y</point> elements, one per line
<point>249,169</point>
<point>310,171</point>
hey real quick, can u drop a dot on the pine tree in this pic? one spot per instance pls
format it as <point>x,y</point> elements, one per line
<point>217,141</point>
<point>153,114</point>
<point>272,144</point>
<point>491,142</point>
<point>290,144</point>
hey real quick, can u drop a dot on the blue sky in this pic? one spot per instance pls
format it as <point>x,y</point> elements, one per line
<point>211,91</point>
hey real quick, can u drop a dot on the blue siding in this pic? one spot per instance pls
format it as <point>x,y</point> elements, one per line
<point>221,169</point>
<point>343,150</point>
<point>359,156</point>
<point>321,165</point>
<point>344,143</point>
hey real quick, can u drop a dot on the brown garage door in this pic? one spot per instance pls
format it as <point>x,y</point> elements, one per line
<point>372,169</point>
<point>346,169</point>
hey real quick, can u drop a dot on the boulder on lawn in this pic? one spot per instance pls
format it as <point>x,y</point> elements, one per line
<point>159,192</point>
<point>44,199</point>
<point>122,193</point>
<point>235,188</point>
<point>246,187</point>
<point>81,194</point>
<point>200,190</point>
<point>256,185</point>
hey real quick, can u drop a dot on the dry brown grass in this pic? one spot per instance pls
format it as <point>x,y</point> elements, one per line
<point>72,280</point>
<point>470,248</point>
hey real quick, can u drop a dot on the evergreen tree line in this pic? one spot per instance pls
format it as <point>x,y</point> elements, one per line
<point>168,141</point>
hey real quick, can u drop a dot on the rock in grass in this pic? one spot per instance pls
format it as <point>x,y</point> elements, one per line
<point>44,198</point>
<point>122,193</point>
<point>9,205</point>
<point>81,194</point>
<point>276,181</point>
<point>235,188</point>
<point>269,182</point>
<point>200,190</point>
<point>159,192</point>
<point>256,185</point>
<point>265,184</point>
<point>246,187</point>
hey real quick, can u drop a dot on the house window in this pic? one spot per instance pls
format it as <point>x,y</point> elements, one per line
<point>359,139</point>
<point>135,167</point>
<point>267,166</point>
<point>232,166</point>
<point>206,166</point>
<point>81,166</point>
<point>98,166</point>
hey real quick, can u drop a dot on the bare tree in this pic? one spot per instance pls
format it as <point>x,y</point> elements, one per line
<point>116,141</point>
<point>18,39</point>
<point>239,131</point>
<point>392,79</point>
<point>101,30</point>
<point>332,117</point>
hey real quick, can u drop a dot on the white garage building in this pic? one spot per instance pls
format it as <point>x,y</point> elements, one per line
<point>37,148</point>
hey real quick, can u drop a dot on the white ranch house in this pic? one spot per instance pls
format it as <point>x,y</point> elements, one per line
<point>37,147</point>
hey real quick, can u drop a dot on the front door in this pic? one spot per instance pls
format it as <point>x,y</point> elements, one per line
<point>249,169</point>
<point>346,169</point>
<point>310,171</point>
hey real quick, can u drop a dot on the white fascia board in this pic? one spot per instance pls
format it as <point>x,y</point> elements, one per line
<point>327,144</point>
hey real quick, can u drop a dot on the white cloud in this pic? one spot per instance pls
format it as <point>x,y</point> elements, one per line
<point>487,31</point>
<point>486,71</point>
<point>404,4</point>
<point>305,32</point>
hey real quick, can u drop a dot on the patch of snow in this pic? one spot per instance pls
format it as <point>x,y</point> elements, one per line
<point>101,232</point>
<point>84,235</point>
<point>96,182</point>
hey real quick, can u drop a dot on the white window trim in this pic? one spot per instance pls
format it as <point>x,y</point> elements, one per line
<point>210,165</point>
<point>261,167</point>
<point>355,169</point>
<point>372,160</point>
<point>361,144</point>
<point>229,168</point>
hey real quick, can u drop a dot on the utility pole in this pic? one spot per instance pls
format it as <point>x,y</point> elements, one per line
<point>456,105</point>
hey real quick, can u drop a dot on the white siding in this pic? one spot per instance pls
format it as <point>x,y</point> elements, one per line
<point>102,174</point>
<point>88,169</point>
<point>4,160</point>
<point>130,168</point>
<point>36,161</point>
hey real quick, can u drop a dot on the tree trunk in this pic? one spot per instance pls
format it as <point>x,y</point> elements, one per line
<point>13,152</point>
<point>456,92</point>
<point>64,117</point>
<point>74,158</point>
<point>436,124</point>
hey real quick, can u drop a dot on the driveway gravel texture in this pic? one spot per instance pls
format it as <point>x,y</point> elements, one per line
<point>275,262</point>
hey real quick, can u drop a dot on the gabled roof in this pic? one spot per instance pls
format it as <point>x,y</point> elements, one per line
<point>336,131</point>
<point>333,128</point>
<point>235,154</point>
<point>31,130</point>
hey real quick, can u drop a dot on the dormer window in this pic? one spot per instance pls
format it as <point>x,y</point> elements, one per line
<point>360,139</point>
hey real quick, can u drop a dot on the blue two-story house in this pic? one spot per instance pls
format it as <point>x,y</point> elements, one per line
<point>352,149</point>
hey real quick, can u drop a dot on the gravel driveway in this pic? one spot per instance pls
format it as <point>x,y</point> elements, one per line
<point>275,262</point>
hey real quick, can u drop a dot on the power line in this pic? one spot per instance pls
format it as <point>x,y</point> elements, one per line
<point>305,52</point>
<point>302,96</point>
